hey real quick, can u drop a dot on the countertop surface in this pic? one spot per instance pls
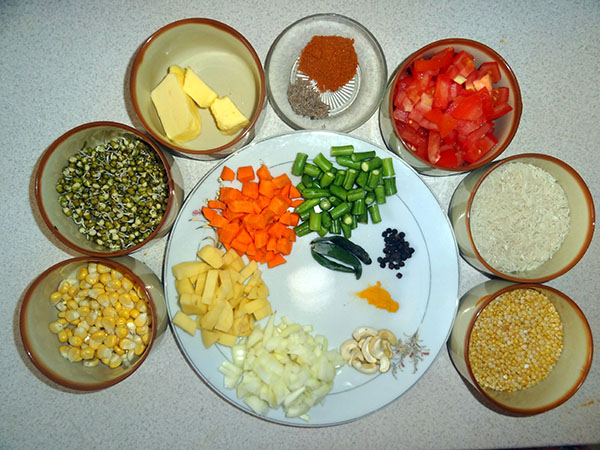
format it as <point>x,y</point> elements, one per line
<point>67,63</point>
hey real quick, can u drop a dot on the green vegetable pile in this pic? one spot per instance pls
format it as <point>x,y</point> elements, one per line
<point>116,193</point>
<point>339,254</point>
<point>337,199</point>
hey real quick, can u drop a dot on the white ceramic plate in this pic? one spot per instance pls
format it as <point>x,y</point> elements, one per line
<point>310,294</point>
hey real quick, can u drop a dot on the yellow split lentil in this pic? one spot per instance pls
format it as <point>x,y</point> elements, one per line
<point>515,341</point>
<point>101,317</point>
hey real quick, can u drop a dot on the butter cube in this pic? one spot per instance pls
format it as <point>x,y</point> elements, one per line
<point>179,118</point>
<point>197,89</point>
<point>229,119</point>
<point>179,72</point>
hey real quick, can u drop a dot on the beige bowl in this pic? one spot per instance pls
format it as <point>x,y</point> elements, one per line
<point>505,126</point>
<point>223,59</point>
<point>573,247</point>
<point>55,158</point>
<point>570,370</point>
<point>41,345</point>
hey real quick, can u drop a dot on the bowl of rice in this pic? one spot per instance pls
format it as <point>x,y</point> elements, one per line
<point>525,347</point>
<point>526,218</point>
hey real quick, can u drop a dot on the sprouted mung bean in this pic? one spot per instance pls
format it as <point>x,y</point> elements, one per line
<point>515,341</point>
<point>102,316</point>
<point>116,193</point>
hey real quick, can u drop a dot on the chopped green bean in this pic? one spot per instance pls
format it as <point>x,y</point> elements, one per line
<point>298,165</point>
<point>380,194</point>
<point>346,230</point>
<point>362,179</point>
<point>340,175</point>
<point>389,184</point>
<point>342,150</point>
<point>322,162</point>
<point>346,161</point>
<point>310,193</point>
<point>340,210</point>
<point>311,170</point>
<point>350,178</point>
<point>327,178</point>
<point>373,179</point>
<point>326,219</point>
<point>306,205</point>
<point>302,229</point>
<point>338,191</point>
<point>374,163</point>
<point>374,213</point>
<point>388,167</point>
<point>359,207</point>
<point>325,204</point>
<point>370,198</point>
<point>314,221</point>
<point>355,194</point>
<point>361,156</point>
<point>335,227</point>
<point>307,180</point>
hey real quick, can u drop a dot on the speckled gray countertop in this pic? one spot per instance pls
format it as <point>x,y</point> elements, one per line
<point>66,63</point>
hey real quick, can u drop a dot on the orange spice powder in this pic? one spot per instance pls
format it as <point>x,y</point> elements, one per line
<point>379,297</point>
<point>330,61</point>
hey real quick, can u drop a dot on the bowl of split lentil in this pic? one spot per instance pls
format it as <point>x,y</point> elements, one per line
<point>89,323</point>
<point>104,189</point>
<point>527,348</point>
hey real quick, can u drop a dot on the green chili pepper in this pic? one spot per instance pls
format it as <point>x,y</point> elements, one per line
<point>333,253</point>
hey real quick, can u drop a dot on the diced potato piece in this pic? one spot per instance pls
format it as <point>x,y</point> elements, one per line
<point>200,283</point>
<point>226,339</point>
<point>210,286</point>
<point>253,281</point>
<point>254,305</point>
<point>265,311</point>
<point>232,257</point>
<point>211,255</point>
<point>184,286</point>
<point>249,270</point>
<point>189,269</point>
<point>262,289</point>
<point>242,325</point>
<point>191,305</point>
<point>225,319</point>
<point>185,322</point>
<point>208,337</point>
<point>226,288</point>
<point>209,320</point>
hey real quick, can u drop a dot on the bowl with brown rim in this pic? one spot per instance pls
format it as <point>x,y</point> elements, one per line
<point>581,219</point>
<point>116,185</point>
<point>41,345</point>
<point>223,59</point>
<point>505,127</point>
<point>565,377</point>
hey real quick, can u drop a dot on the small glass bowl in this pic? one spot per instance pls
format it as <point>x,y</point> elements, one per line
<point>565,378</point>
<point>505,127</point>
<point>352,104</point>
<point>56,157</point>
<point>575,244</point>
<point>41,345</point>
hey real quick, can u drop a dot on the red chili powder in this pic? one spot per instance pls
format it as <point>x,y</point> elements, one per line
<point>330,61</point>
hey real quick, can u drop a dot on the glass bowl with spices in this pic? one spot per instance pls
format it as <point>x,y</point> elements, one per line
<point>104,189</point>
<point>325,72</point>
<point>526,348</point>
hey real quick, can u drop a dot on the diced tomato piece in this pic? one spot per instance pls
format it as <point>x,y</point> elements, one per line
<point>471,108</point>
<point>442,93</point>
<point>436,62</point>
<point>409,135</point>
<point>462,66</point>
<point>500,95</point>
<point>499,111</point>
<point>448,158</point>
<point>433,147</point>
<point>492,69</point>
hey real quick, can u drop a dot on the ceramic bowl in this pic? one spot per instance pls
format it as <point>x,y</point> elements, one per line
<point>223,59</point>
<point>576,242</point>
<point>42,346</point>
<point>505,127</point>
<point>569,372</point>
<point>350,105</point>
<point>50,168</point>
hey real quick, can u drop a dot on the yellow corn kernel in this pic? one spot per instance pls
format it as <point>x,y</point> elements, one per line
<point>139,349</point>
<point>73,290</point>
<point>118,350</point>
<point>134,296</point>
<point>127,284</point>
<point>94,305</point>
<point>134,313</point>
<point>55,327</point>
<point>121,332</point>
<point>105,361</point>
<point>95,293</point>
<point>126,301</point>
<point>72,304</point>
<point>82,273</point>
<point>116,275</point>
<point>91,362</point>
<point>66,297</point>
<point>126,344</point>
<point>141,320</point>
<point>113,297</point>
<point>115,361</point>
<point>83,310</point>
<point>80,331</point>
<point>130,355</point>
<point>87,353</point>
<point>110,340</point>
<point>71,316</point>
<point>103,300</point>
<point>110,311</point>
<point>74,354</point>
<point>94,344</point>
<point>63,336</point>
<point>101,268</point>
<point>61,314</point>
<point>83,285</point>
<point>146,338</point>
<point>124,314</point>
<point>92,267</point>
<point>92,278</point>
<point>104,278</point>
<point>108,323</point>
<point>114,284</point>
<point>69,332</point>
<point>141,307</point>
<point>75,341</point>
<point>142,330</point>
<point>64,351</point>
<point>120,322</point>
<point>55,296</point>
<point>103,352</point>
<point>91,317</point>
<point>64,287</point>
<point>118,307</point>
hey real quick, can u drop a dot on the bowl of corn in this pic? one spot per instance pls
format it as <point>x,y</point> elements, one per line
<point>89,323</point>
<point>527,348</point>
<point>104,189</point>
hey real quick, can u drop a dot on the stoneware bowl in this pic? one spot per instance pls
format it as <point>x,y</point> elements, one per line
<point>42,346</point>
<point>56,157</point>
<point>576,242</point>
<point>505,127</point>
<point>223,59</point>
<point>565,378</point>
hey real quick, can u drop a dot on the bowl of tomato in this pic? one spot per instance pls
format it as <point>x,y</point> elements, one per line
<point>451,107</point>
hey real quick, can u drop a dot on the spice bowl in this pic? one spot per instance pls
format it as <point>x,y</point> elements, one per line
<point>88,339</point>
<point>477,348</point>
<point>348,71</point>
<point>527,218</point>
<point>406,131</point>
<point>119,193</point>
<point>224,61</point>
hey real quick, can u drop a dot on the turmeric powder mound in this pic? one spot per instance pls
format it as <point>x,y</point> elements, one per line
<point>330,61</point>
<point>379,297</point>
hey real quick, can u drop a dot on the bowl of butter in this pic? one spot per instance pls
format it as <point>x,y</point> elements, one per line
<point>198,87</point>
